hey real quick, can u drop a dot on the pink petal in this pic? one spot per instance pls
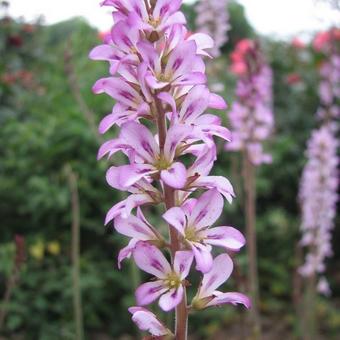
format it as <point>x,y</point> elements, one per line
<point>149,292</point>
<point>176,217</point>
<point>182,263</point>
<point>134,227</point>
<point>150,259</point>
<point>217,102</point>
<point>220,272</point>
<point>230,298</point>
<point>176,134</point>
<point>126,252</point>
<point>110,147</point>
<point>181,60</point>
<point>195,103</point>
<point>216,130</point>
<point>102,52</point>
<point>133,201</point>
<point>122,177</point>
<point>124,36</point>
<point>166,7</point>
<point>219,183</point>
<point>175,176</point>
<point>227,237</point>
<point>140,139</point>
<point>207,210</point>
<point>168,99</point>
<point>115,211</point>
<point>171,299</point>
<point>147,321</point>
<point>117,89</point>
<point>204,163</point>
<point>193,78</point>
<point>177,18</point>
<point>203,42</point>
<point>203,257</point>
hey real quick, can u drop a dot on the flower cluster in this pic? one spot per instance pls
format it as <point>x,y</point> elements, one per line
<point>318,197</point>
<point>329,87</point>
<point>157,79</point>
<point>213,19</point>
<point>251,115</point>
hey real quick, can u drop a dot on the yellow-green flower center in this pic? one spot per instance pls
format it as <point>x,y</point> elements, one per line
<point>173,281</point>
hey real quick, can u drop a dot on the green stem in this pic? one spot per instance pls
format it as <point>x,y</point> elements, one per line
<point>250,206</point>
<point>77,302</point>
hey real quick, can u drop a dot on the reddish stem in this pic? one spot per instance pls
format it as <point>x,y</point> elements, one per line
<point>169,201</point>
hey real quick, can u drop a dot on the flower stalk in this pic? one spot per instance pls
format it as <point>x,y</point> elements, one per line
<point>157,79</point>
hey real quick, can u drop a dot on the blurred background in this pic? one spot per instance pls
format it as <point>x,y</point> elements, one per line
<point>51,185</point>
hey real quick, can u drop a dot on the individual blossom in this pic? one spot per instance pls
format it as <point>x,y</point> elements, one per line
<point>193,220</point>
<point>251,115</point>
<point>208,296</point>
<point>169,279</point>
<point>318,198</point>
<point>212,17</point>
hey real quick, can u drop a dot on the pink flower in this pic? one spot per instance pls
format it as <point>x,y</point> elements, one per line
<point>169,280</point>
<point>251,115</point>
<point>208,296</point>
<point>193,225</point>
<point>142,147</point>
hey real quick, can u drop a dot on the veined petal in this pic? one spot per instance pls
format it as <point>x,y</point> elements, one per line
<point>176,134</point>
<point>168,99</point>
<point>221,270</point>
<point>140,139</point>
<point>203,257</point>
<point>192,78</point>
<point>171,299</point>
<point>126,252</point>
<point>176,217</point>
<point>182,263</point>
<point>126,175</point>
<point>134,227</point>
<point>149,292</point>
<point>133,201</point>
<point>119,90</point>
<point>118,115</point>
<point>219,183</point>
<point>195,103</point>
<point>177,18</point>
<point>207,210</point>
<point>227,237</point>
<point>125,36</point>
<point>166,7</point>
<point>233,298</point>
<point>115,211</point>
<point>175,176</point>
<point>181,60</point>
<point>204,163</point>
<point>147,321</point>
<point>216,130</point>
<point>150,259</point>
<point>110,147</point>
